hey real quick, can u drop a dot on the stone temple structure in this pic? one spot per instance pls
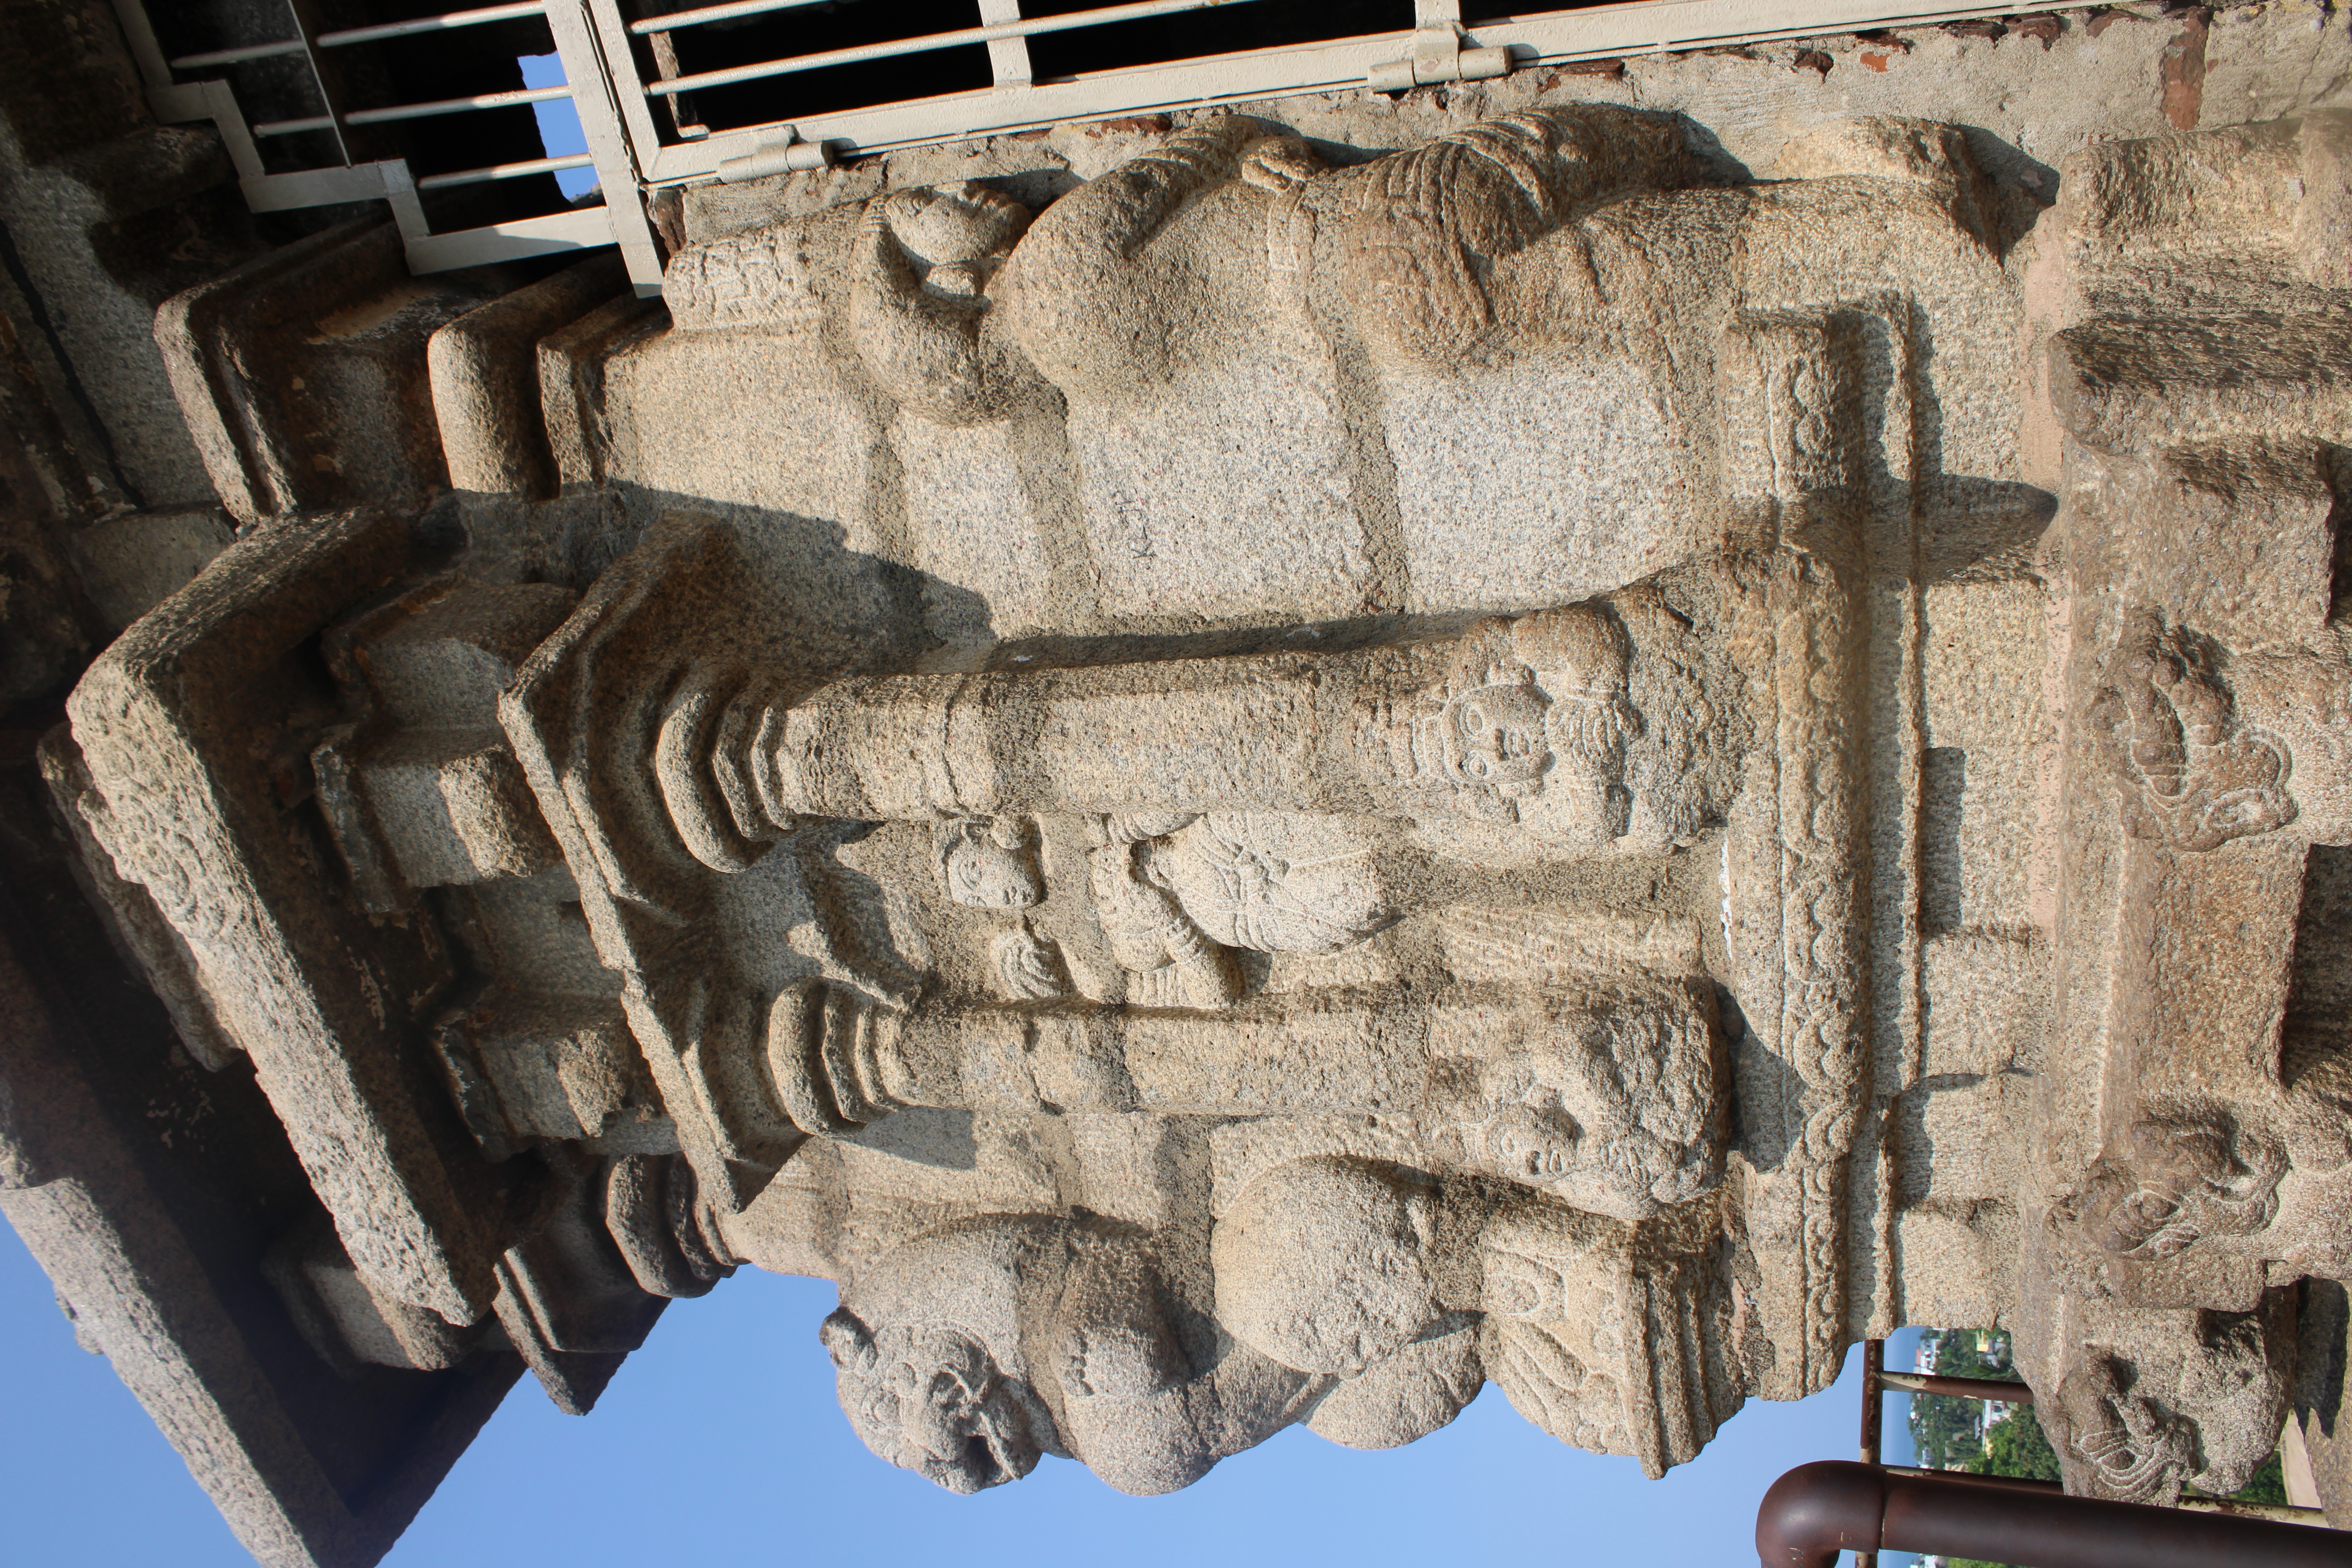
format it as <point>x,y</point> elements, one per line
<point>1601,731</point>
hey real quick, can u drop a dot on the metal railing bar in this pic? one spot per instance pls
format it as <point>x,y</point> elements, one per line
<point>139,32</point>
<point>442,22</point>
<point>455,105</point>
<point>294,127</point>
<point>1874,1369</point>
<point>1249,75</point>
<point>1008,59</point>
<point>727,12</point>
<point>237,56</point>
<point>303,13</point>
<point>606,47</point>
<point>2195,1502</point>
<point>349,36</point>
<point>579,228</point>
<point>617,123</point>
<point>1253,75</point>
<point>1960,1387</point>
<point>894,48</point>
<point>504,171</point>
<point>320,188</point>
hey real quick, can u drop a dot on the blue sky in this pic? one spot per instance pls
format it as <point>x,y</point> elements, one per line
<point>720,1442</point>
<point>559,123</point>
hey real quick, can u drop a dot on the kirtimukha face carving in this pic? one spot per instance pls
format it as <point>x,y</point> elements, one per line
<point>958,232</point>
<point>1499,734</point>
<point>932,1400</point>
<point>988,865</point>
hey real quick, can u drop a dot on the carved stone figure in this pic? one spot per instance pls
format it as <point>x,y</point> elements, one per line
<point>2178,1182</point>
<point>1174,893</point>
<point>918,298</point>
<point>1356,754</point>
<point>967,1353</point>
<point>2205,780</point>
<point>2155,1400</point>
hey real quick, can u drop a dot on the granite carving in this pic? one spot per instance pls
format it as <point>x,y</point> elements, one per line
<point>1301,776</point>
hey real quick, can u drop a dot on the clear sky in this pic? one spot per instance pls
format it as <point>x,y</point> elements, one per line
<point>558,123</point>
<point>719,1442</point>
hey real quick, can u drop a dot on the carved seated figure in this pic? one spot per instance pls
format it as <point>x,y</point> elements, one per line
<point>1175,893</point>
<point>1205,325</point>
<point>967,1353</point>
<point>1367,1300</point>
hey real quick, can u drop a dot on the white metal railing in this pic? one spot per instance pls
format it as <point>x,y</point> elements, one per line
<point>701,13</point>
<point>620,221</point>
<point>349,36</point>
<point>1439,49</point>
<point>505,172</point>
<point>457,105</point>
<point>618,67</point>
<point>898,47</point>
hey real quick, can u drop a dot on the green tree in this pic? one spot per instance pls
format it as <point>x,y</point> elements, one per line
<point>1944,1430</point>
<point>2269,1484</point>
<point>2015,1445</point>
<point>1947,1430</point>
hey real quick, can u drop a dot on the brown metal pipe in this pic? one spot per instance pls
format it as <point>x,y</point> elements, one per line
<point>1817,1511</point>
<point>1965,1387</point>
<point>2284,1514</point>
<point>1873,1367</point>
<point>1874,1405</point>
<point>1972,1477</point>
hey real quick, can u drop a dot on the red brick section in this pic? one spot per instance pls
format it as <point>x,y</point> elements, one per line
<point>2184,70</point>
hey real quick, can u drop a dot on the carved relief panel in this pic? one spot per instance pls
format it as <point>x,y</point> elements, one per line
<point>1274,790</point>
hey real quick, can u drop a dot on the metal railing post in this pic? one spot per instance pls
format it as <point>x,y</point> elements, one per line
<point>604,122</point>
<point>1874,1409</point>
<point>1008,59</point>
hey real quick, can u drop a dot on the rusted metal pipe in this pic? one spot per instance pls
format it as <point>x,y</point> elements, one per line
<point>1874,1405</point>
<point>2288,1513</point>
<point>1874,1366</point>
<point>1817,1511</point>
<point>1964,1387</point>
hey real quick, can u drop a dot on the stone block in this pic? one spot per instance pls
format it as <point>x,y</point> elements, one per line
<point>483,367</point>
<point>303,375</point>
<point>129,565</point>
<point>1534,485</point>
